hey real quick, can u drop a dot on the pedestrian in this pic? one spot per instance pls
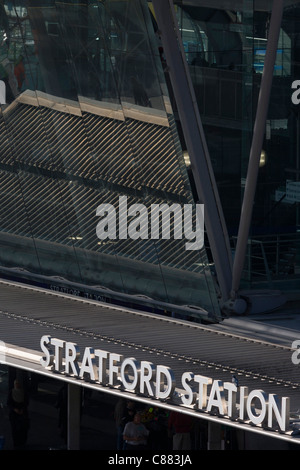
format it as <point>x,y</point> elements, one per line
<point>123,413</point>
<point>130,411</point>
<point>17,403</point>
<point>180,426</point>
<point>135,434</point>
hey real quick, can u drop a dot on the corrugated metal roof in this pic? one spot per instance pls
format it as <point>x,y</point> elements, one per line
<point>27,313</point>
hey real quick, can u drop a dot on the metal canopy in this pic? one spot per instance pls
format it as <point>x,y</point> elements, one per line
<point>27,313</point>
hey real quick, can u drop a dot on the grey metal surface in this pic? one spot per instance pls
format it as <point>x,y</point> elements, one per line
<point>27,313</point>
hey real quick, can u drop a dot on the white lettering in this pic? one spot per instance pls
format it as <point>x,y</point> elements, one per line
<point>165,211</point>
<point>120,460</point>
<point>58,353</point>
<point>164,374</point>
<point>123,212</point>
<point>160,221</point>
<point>125,377</point>
<point>148,374</point>
<point>102,365</point>
<point>138,227</point>
<point>88,369</point>
<point>45,343</point>
<point>217,398</point>
<point>106,227</point>
<point>243,402</point>
<point>295,95</point>
<point>280,411</point>
<point>104,368</point>
<point>114,368</point>
<point>71,359</point>
<point>191,397</point>
<point>2,92</point>
<point>198,234</point>
<point>202,392</point>
<point>231,402</point>
<point>257,415</point>
<point>295,355</point>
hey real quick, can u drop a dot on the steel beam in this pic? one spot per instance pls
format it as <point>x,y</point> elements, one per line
<point>256,147</point>
<point>196,144</point>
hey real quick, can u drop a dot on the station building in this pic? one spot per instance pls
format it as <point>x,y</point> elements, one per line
<point>149,192</point>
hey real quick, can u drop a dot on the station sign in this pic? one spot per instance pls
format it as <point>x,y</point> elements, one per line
<point>143,378</point>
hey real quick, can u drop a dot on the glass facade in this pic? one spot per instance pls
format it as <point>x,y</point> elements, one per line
<point>86,120</point>
<point>225,50</point>
<point>87,116</point>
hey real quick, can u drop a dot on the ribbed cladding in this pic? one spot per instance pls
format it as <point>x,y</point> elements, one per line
<point>138,156</point>
<point>218,351</point>
<point>111,151</point>
<point>132,154</point>
<point>156,155</point>
<point>45,208</point>
<point>13,218</point>
<point>5,144</point>
<point>26,135</point>
<point>55,210</point>
<point>67,141</point>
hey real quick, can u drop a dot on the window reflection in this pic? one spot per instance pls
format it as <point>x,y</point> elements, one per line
<point>225,50</point>
<point>94,49</point>
<point>87,118</point>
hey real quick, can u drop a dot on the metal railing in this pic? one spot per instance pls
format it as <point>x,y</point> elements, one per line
<point>272,258</point>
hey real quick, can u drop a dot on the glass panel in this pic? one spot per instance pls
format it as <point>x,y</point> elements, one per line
<point>86,120</point>
<point>225,50</point>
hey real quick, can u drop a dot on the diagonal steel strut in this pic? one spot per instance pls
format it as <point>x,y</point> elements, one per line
<point>196,143</point>
<point>256,147</point>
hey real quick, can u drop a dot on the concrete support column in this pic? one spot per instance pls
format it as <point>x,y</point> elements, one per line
<point>74,408</point>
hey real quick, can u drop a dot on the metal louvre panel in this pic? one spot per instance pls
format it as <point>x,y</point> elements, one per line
<point>94,147</point>
<point>57,141</point>
<point>44,207</point>
<point>6,155</point>
<point>210,352</point>
<point>157,157</point>
<point>152,145</point>
<point>12,219</point>
<point>57,209</point>
<point>26,135</point>
<point>59,164</point>
<point>5,144</point>
<point>111,150</point>
<point>67,141</point>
